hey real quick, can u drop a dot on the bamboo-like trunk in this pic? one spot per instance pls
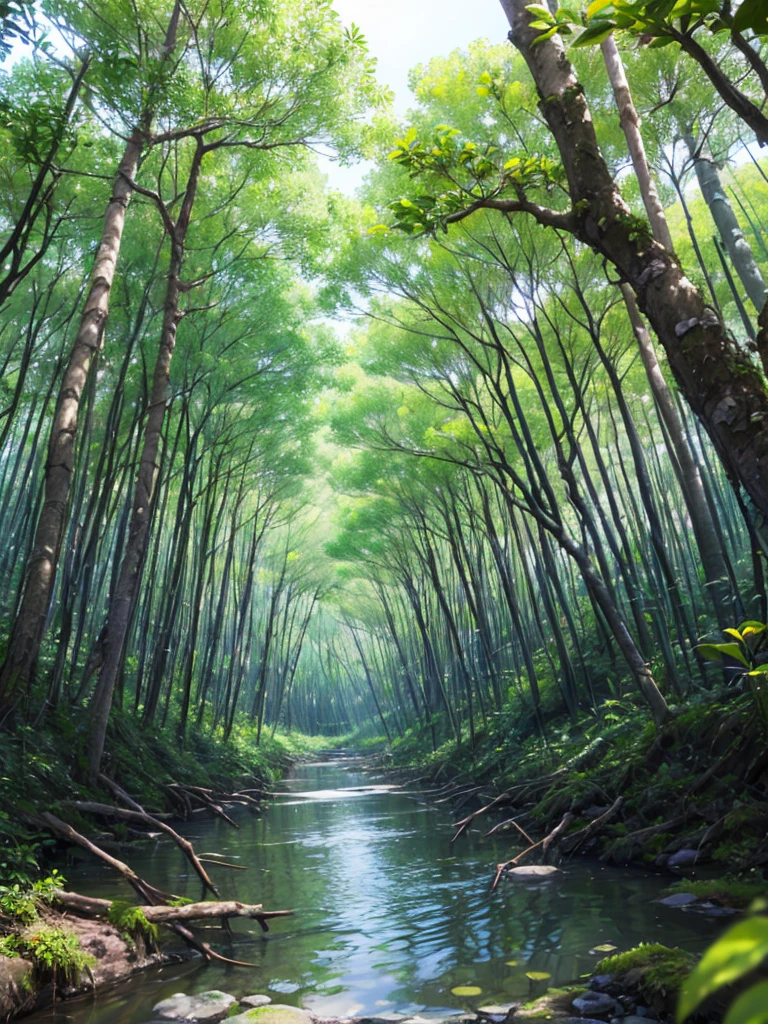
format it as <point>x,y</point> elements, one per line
<point>29,625</point>
<point>716,376</point>
<point>125,591</point>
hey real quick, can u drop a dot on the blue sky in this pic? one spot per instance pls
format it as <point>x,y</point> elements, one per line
<point>404,33</point>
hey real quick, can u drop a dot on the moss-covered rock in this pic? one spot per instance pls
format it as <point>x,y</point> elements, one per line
<point>651,971</point>
<point>274,1014</point>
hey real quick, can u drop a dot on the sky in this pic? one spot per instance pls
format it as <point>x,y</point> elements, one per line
<point>404,33</point>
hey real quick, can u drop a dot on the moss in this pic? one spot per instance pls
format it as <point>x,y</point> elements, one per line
<point>661,969</point>
<point>730,892</point>
<point>132,923</point>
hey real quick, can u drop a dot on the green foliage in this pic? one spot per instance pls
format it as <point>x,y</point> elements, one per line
<point>21,902</point>
<point>743,948</point>
<point>666,20</point>
<point>56,953</point>
<point>132,922</point>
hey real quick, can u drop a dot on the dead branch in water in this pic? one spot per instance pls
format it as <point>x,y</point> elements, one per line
<point>121,813</point>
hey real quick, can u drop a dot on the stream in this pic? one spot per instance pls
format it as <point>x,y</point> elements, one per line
<point>388,917</point>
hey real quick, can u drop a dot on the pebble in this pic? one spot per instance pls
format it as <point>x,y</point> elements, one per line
<point>679,899</point>
<point>206,1008</point>
<point>253,1001</point>
<point>595,1004</point>
<point>637,1019</point>
<point>534,873</point>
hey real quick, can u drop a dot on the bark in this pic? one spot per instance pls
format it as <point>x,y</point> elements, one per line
<point>91,906</point>
<point>725,220</point>
<point>29,624</point>
<point>630,125</point>
<point>720,382</point>
<point>688,474</point>
<point>124,594</point>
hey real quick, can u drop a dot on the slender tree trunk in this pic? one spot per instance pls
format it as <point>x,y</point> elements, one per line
<point>123,597</point>
<point>29,625</point>
<point>718,379</point>
<point>725,220</point>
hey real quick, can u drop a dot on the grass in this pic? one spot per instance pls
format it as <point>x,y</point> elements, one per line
<point>730,892</point>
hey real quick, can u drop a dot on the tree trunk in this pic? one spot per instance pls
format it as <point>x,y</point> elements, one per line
<point>29,624</point>
<point>123,597</point>
<point>718,379</point>
<point>728,227</point>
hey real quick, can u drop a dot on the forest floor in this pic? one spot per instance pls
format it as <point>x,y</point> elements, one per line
<point>693,795</point>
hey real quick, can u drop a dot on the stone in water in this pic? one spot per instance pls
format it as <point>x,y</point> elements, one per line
<point>205,1008</point>
<point>534,873</point>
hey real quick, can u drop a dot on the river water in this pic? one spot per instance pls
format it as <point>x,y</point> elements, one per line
<point>388,916</point>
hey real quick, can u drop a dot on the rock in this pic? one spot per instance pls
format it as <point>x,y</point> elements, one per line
<point>596,1004</point>
<point>715,910</point>
<point>253,1001</point>
<point>534,873</point>
<point>661,860</point>
<point>679,899</point>
<point>383,1018</point>
<point>600,982</point>
<point>683,859</point>
<point>638,1019</point>
<point>277,1013</point>
<point>497,1013</point>
<point>204,1008</point>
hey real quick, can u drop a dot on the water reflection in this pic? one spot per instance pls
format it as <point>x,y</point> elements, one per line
<point>388,917</point>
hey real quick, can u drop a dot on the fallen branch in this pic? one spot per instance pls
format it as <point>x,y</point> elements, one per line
<point>91,906</point>
<point>577,838</point>
<point>203,796</point>
<point>106,810</point>
<point>543,843</point>
<point>504,824</point>
<point>145,890</point>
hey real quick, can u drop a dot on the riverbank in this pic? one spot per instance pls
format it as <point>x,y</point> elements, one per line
<point>50,949</point>
<point>692,795</point>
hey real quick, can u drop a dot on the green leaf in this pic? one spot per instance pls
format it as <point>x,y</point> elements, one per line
<point>715,652</point>
<point>541,12</point>
<point>751,1007</point>
<point>544,36</point>
<point>594,33</point>
<point>739,951</point>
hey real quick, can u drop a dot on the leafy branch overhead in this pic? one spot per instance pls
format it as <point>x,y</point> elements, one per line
<point>462,175</point>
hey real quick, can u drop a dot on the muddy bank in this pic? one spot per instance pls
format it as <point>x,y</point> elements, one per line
<point>25,986</point>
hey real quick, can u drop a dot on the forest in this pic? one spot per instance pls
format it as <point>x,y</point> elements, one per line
<point>464,474</point>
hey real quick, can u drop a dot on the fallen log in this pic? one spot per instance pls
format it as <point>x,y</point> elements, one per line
<point>148,893</point>
<point>123,814</point>
<point>91,906</point>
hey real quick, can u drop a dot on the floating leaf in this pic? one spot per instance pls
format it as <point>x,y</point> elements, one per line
<point>538,975</point>
<point>512,963</point>
<point>605,948</point>
<point>466,990</point>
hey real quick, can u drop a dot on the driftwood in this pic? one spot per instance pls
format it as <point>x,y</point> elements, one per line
<point>504,824</point>
<point>92,907</point>
<point>123,814</point>
<point>202,796</point>
<point>148,893</point>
